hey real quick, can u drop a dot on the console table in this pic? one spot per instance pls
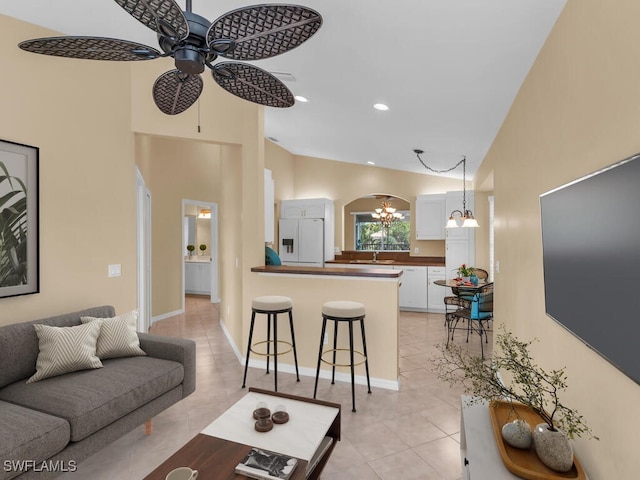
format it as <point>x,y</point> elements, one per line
<point>478,449</point>
<point>217,450</point>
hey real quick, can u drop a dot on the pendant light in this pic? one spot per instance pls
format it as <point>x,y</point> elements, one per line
<point>468,220</point>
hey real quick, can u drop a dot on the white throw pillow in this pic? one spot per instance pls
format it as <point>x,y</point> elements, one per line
<point>65,349</point>
<point>118,336</point>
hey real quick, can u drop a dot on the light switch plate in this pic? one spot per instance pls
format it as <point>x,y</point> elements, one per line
<point>115,270</point>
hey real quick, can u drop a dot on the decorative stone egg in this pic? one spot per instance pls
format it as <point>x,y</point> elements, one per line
<point>517,434</point>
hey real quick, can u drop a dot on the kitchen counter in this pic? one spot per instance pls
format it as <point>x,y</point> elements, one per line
<point>350,257</point>
<point>414,263</point>
<point>337,271</point>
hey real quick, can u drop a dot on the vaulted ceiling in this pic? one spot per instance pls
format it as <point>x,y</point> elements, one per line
<point>447,69</point>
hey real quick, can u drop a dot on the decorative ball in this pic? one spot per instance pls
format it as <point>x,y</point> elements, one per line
<point>517,433</point>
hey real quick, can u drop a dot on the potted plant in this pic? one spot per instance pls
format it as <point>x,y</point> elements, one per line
<point>191,248</point>
<point>528,385</point>
<point>465,272</point>
<point>202,247</point>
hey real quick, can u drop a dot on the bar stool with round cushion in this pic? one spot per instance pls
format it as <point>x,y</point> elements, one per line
<point>271,305</point>
<point>349,312</point>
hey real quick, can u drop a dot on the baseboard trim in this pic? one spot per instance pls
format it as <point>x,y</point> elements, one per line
<point>233,345</point>
<point>326,374</point>
<point>166,315</point>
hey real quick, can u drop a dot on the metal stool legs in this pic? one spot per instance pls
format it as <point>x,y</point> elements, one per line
<point>272,318</point>
<point>293,341</point>
<point>352,363</point>
<point>246,362</point>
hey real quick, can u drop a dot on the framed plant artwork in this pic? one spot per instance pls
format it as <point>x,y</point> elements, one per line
<point>19,242</point>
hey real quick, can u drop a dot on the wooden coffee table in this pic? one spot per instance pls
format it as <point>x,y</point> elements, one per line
<point>222,445</point>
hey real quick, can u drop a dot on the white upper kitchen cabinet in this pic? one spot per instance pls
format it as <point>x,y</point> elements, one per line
<point>307,208</point>
<point>430,217</point>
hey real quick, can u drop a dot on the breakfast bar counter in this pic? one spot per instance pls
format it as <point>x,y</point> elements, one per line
<point>309,288</point>
<point>332,271</point>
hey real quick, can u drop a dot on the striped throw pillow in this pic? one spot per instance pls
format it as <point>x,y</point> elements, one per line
<point>118,336</point>
<point>65,349</point>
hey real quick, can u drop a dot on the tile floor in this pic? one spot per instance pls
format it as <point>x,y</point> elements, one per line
<point>410,434</point>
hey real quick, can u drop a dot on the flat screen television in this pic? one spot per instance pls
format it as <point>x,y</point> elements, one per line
<point>591,259</point>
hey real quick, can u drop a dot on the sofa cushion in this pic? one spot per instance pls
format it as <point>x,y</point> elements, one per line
<point>92,399</point>
<point>118,336</point>
<point>19,342</point>
<point>65,349</point>
<point>28,435</point>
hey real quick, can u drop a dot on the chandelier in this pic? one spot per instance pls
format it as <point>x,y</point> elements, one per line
<point>464,215</point>
<point>387,215</point>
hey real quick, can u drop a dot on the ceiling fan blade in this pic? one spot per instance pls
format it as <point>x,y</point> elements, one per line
<point>174,91</point>
<point>162,16</point>
<point>253,84</point>
<point>91,48</point>
<point>263,31</point>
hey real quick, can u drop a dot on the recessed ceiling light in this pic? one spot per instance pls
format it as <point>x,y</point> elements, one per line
<point>370,162</point>
<point>381,106</point>
<point>300,98</point>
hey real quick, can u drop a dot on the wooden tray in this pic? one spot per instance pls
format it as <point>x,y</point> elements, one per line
<point>525,463</point>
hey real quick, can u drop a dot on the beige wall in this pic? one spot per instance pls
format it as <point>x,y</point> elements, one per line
<point>176,170</point>
<point>77,113</point>
<point>345,182</point>
<point>578,110</point>
<point>230,243</point>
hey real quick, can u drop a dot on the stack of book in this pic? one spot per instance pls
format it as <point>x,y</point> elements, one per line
<point>266,465</point>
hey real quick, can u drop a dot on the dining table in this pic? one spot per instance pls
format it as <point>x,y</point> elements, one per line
<point>468,286</point>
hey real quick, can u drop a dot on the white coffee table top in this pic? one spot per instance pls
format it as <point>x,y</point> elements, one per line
<point>299,437</point>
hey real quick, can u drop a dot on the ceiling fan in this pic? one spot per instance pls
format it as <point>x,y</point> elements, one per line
<point>248,33</point>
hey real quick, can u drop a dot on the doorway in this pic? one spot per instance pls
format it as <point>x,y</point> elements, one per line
<point>191,210</point>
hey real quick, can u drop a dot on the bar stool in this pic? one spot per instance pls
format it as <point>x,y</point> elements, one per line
<point>271,305</point>
<point>343,311</point>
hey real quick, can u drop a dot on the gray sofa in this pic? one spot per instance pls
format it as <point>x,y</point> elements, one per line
<point>51,425</point>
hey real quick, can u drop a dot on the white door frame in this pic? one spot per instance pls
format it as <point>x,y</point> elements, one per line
<point>215,298</point>
<point>143,243</point>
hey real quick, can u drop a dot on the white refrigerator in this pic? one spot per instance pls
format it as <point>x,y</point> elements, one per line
<point>301,241</point>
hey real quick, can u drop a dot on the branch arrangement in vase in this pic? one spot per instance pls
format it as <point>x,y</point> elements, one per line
<point>529,384</point>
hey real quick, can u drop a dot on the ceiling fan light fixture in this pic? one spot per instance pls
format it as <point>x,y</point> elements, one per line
<point>300,98</point>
